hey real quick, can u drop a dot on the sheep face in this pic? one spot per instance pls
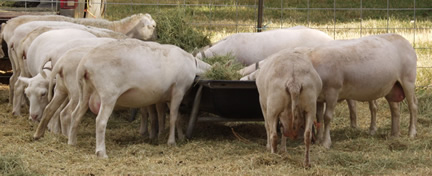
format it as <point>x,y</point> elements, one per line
<point>147,28</point>
<point>36,92</point>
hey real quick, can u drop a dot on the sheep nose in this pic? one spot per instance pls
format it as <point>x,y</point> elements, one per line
<point>34,117</point>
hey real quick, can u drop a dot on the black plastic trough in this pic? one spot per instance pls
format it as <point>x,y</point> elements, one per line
<point>5,70</point>
<point>229,100</point>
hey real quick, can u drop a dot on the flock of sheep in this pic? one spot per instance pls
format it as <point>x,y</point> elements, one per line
<point>298,70</point>
<point>65,66</point>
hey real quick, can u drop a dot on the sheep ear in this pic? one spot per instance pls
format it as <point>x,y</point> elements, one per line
<point>24,80</point>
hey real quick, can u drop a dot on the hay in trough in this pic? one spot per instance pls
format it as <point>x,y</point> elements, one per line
<point>172,28</point>
<point>223,68</point>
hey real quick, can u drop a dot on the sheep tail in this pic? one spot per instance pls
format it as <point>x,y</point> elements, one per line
<point>293,88</point>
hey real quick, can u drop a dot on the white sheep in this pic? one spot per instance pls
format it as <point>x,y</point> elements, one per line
<point>151,73</point>
<point>26,38</point>
<point>249,48</point>
<point>25,34</point>
<point>66,89</point>
<point>49,45</point>
<point>63,74</point>
<point>288,87</point>
<point>365,69</point>
<point>140,26</point>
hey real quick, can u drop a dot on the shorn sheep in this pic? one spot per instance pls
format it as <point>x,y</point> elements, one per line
<point>151,73</point>
<point>66,86</point>
<point>140,26</point>
<point>249,48</point>
<point>288,87</point>
<point>45,47</point>
<point>365,69</point>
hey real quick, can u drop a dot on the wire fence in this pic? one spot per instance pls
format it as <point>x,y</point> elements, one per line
<point>307,8</point>
<point>341,19</point>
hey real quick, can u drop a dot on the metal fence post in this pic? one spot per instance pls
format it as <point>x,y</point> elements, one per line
<point>260,15</point>
<point>415,25</point>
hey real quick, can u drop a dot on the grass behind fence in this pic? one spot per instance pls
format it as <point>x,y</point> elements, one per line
<point>224,18</point>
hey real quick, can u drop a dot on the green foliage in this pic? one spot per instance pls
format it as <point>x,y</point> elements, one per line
<point>6,4</point>
<point>172,23</point>
<point>223,68</point>
<point>173,29</point>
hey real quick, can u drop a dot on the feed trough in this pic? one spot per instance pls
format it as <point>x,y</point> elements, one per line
<point>222,100</point>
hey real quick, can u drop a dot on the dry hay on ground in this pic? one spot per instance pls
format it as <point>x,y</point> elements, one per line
<point>215,150</point>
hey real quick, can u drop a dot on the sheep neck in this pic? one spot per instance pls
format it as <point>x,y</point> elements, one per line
<point>127,24</point>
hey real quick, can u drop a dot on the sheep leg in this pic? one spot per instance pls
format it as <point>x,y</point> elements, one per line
<point>308,134</point>
<point>408,88</point>
<point>395,115</point>
<point>106,108</point>
<point>179,125</point>
<point>272,120</point>
<point>353,112</point>
<point>154,123</point>
<point>176,99</point>
<point>373,109</point>
<point>331,101</point>
<point>50,109</point>
<point>14,77</point>
<point>18,97</point>
<point>65,115</point>
<point>79,112</point>
<point>161,107</point>
<point>320,119</point>
<point>54,125</point>
<point>283,141</point>
<point>264,112</point>
<point>144,121</point>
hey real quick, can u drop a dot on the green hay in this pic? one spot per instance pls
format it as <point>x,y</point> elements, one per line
<point>12,165</point>
<point>223,68</point>
<point>173,29</point>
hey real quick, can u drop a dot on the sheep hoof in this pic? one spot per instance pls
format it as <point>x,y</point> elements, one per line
<point>173,144</point>
<point>101,154</point>
<point>327,144</point>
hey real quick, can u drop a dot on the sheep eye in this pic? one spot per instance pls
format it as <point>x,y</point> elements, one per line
<point>43,94</point>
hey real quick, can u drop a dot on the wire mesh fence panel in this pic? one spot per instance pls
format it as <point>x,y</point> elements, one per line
<point>12,8</point>
<point>71,8</point>
<point>341,19</point>
<point>345,19</point>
